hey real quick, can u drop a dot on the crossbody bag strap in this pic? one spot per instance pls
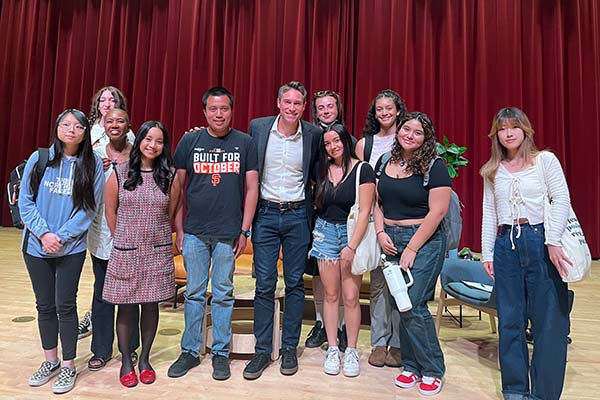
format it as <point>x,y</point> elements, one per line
<point>356,196</point>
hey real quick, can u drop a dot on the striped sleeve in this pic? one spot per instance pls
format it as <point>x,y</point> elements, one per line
<point>489,224</point>
<point>558,191</point>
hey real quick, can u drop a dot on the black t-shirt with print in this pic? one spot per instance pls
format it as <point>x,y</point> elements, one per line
<point>338,202</point>
<point>216,169</point>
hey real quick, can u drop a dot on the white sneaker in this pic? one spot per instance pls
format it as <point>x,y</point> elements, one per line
<point>332,361</point>
<point>351,365</point>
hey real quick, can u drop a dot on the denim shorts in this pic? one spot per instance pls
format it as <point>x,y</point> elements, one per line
<point>328,240</point>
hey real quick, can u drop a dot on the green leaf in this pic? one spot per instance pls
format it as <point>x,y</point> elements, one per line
<point>446,141</point>
<point>462,149</point>
<point>460,163</point>
<point>452,172</point>
<point>454,149</point>
<point>440,149</point>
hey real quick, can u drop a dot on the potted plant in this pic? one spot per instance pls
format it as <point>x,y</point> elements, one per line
<point>452,154</point>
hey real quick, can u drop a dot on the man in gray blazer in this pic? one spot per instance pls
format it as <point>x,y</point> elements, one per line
<point>287,153</point>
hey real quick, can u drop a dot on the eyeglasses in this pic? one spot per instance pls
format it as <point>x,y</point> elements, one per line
<point>68,125</point>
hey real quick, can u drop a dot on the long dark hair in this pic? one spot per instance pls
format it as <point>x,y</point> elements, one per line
<point>85,166</point>
<point>372,126</point>
<point>161,170</point>
<point>419,163</point>
<point>324,186</point>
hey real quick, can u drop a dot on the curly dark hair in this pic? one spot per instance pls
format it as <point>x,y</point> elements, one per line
<point>85,166</point>
<point>324,185</point>
<point>419,162</point>
<point>161,170</point>
<point>372,126</point>
<point>95,115</point>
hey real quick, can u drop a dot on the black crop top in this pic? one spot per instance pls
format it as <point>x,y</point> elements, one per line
<point>338,202</point>
<point>407,198</point>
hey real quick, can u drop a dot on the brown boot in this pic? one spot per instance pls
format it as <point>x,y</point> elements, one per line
<point>393,358</point>
<point>377,357</point>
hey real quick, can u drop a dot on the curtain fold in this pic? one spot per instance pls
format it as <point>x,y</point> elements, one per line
<point>458,60</point>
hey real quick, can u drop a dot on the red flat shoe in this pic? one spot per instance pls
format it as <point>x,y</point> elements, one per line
<point>147,376</point>
<point>129,380</point>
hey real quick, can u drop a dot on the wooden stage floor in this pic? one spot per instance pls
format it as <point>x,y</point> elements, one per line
<point>470,353</point>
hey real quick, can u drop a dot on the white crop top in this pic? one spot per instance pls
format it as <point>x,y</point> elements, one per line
<point>521,195</point>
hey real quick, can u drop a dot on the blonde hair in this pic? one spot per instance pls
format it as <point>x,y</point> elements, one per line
<point>527,150</point>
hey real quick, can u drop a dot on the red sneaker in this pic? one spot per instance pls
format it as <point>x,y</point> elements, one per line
<point>430,386</point>
<point>407,380</point>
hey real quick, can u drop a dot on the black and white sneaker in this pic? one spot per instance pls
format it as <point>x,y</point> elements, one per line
<point>85,326</point>
<point>65,380</point>
<point>47,370</point>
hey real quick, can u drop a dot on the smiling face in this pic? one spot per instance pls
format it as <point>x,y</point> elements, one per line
<point>291,106</point>
<point>152,144</point>
<point>218,114</point>
<point>327,111</point>
<point>386,112</point>
<point>333,145</point>
<point>411,135</point>
<point>116,125</point>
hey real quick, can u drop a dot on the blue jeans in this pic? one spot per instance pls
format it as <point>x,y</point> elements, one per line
<point>103,315</point>
<point>328,240</point>
<point>419,344</point>
<point>197,257</point>
<point>528,286</point>
<point>289,229</point>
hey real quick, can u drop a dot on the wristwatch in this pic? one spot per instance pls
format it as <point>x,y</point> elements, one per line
<point>245,233</point>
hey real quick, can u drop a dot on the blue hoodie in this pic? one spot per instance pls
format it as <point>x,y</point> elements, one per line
<point>53,209</point>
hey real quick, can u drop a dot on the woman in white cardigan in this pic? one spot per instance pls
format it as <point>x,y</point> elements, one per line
<point>526,262</point>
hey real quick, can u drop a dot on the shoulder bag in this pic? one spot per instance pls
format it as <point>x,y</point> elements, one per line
<point>572,239</point>
<point>368,252</point>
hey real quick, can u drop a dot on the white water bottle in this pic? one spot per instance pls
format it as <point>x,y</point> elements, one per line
<point>397,285</point>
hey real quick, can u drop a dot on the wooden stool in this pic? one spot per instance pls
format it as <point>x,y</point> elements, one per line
<point>242,324</point>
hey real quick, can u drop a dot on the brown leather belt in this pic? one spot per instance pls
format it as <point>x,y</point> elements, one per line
<point>285,206</point>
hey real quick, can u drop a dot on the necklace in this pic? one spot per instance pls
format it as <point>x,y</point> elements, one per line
<point>117,156</point>
<point>402,163</point>
<point>335,174</point>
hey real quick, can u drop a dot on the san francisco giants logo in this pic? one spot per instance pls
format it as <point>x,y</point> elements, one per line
<point>216,179</point>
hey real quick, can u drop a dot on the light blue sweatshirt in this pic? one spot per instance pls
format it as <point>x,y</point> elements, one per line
<point>53,209</point>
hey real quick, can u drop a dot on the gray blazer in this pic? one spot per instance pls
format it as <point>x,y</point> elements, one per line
<point>311,135</point>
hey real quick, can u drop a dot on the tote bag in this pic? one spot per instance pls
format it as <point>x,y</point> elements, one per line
<point>572,239</point>
<point>368,251</point>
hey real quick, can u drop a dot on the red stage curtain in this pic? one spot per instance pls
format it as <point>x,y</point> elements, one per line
<point>457,60</point>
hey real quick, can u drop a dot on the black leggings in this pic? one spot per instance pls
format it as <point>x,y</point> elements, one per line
<point>127,324</point>
<point>55,282</point>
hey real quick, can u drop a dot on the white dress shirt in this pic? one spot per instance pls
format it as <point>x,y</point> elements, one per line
<point>282,179</point>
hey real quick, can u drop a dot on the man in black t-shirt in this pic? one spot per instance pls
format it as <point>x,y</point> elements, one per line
<point>219,162</point>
